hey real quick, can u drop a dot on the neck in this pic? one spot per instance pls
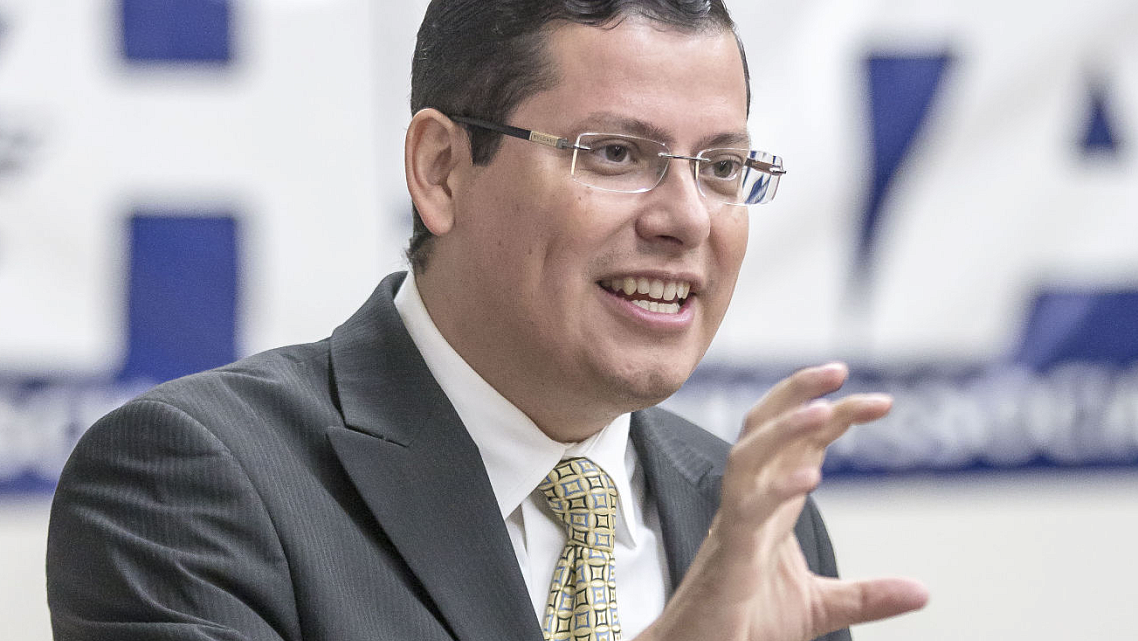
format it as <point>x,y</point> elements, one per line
<point>557,409</point>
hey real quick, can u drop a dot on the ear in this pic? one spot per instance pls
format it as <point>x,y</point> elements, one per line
<point>433,153</point>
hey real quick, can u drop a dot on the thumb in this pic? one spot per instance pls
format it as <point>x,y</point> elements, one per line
<point>845,603</point>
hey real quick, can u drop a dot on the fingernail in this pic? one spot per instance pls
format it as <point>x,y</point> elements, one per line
<point>877,397</point>
<point>834,366</point>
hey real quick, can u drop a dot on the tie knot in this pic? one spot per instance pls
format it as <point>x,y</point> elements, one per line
<point>585,498</point>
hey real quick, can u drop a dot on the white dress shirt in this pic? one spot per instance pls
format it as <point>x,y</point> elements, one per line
<point>518,455</point>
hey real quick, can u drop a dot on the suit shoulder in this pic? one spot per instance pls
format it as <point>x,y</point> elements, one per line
<point>278,377</point>
<point>680,430</point>
<point>283,393</point>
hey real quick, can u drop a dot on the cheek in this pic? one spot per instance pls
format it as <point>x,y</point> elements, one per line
<point>729,238</point>
<point>576,231</point>
<point>501,229</point>
<point>728,245</point>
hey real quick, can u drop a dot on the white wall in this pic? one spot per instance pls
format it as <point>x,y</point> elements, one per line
<point>1009,557</point>
<point>23,544</point>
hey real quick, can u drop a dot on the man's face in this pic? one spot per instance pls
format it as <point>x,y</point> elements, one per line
<point>529,268</point>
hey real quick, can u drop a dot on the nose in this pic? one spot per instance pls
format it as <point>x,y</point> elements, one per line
<point>676,214</point>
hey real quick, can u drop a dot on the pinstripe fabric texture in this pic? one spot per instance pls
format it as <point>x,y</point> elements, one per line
<point>323,491</point>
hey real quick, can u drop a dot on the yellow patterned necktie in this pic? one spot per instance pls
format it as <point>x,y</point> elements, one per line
<point>582,595</point>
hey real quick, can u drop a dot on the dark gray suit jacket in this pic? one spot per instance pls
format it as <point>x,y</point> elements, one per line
<point>322,492</point>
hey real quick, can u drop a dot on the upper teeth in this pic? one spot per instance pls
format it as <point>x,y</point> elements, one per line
<point>654,288</point>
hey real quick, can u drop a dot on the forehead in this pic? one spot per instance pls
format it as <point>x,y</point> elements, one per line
<point>682,83</point>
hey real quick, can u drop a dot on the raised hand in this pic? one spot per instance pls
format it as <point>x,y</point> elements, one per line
<point>749,581</point>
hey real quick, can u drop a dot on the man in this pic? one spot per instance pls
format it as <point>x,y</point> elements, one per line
<point>391,482</point>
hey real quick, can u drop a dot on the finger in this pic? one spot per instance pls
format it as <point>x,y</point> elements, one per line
<point>813,426</point>
<point>854,409</point>
<point>778,437</point>
<point>778,528</point>
<point>846,603</point>
<point>774,467</point>
<point>862,408</point>
<point>752,529</point>
<point>796,389</point>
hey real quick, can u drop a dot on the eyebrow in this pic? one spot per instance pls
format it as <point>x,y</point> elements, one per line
<point>608,122</point>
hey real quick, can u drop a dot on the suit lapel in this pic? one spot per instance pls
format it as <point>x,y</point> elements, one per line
<point>683,481</point>
<point>420,473</point>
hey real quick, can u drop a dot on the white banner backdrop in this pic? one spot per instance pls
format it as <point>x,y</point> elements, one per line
<point>957,222</point>
<point>999,195</point>
<point>293,134</point>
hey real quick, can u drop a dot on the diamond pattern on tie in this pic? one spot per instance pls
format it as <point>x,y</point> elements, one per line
<point>582,594</point>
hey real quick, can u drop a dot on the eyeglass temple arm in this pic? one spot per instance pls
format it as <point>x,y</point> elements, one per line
<point>517,132</point>
<point>766,167</point>
<point>563,143</point>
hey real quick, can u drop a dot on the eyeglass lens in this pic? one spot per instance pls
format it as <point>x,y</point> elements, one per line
<point>633,165</point>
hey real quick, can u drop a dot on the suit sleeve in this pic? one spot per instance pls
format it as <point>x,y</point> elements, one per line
<point>157,534</point>
<point>819,553</point>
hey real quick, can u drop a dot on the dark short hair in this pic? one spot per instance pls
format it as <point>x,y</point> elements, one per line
<point>482,58</point>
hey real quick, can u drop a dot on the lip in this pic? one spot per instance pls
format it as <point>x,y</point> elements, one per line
<point>652,320</point>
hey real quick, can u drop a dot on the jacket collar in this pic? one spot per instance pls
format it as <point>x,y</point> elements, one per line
<point>418,470</point>
<point>685,479</point>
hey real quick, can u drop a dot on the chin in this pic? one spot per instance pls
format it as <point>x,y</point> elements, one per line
<point>647,387</point>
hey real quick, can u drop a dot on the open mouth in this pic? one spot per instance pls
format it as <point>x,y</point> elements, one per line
<point>654,295</point>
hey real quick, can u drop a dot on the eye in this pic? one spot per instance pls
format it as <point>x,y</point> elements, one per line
<point>611,155</point>
<point>723,167</point>
<point>615,152</point>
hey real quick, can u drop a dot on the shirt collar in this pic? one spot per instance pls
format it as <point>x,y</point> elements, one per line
<point>516,453</point>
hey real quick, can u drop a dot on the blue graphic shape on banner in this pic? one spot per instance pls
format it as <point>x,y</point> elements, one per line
<point>1081,326</point>
<point>1099,136</point>
<point>193,31</point>
<point>901,90</point>
<point>26,483</point>
<point>183,294</point>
